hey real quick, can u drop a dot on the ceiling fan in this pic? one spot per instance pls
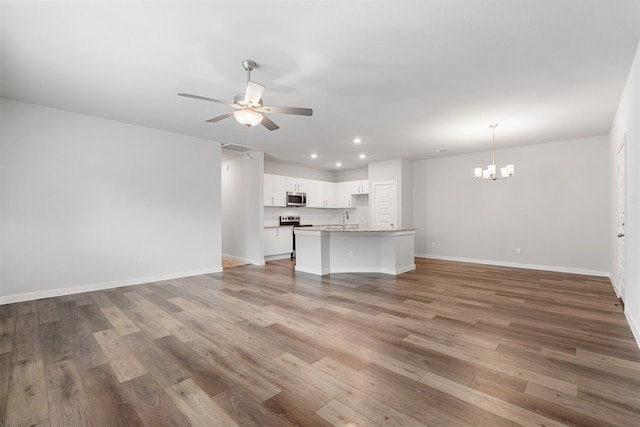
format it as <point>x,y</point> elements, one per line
<point>249,108</point>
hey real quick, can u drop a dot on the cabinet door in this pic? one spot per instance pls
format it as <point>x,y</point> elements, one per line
<point>343,195</point>
<point>302,185</point>
<point>271,241</point>
<point>285,240</point>
<point>297,184</point>
<point>279,190</point>
<point>268,190</point>
<point>314,194</point>
<point>330,197</point>
<point>364,186</point>
<point>360,187</point>
<point>321,194</point>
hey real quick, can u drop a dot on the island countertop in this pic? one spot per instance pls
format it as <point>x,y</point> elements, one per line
<point>350,229</point>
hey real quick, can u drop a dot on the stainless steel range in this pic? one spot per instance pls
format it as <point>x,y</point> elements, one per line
<point>290,220</point>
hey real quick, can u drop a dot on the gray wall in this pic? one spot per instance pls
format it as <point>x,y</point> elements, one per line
<point>555,208</point>
<point>297,171</point>
<point>320,175</point>
<point>82,199</point>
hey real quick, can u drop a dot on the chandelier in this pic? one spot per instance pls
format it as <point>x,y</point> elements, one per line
<point>490,172</point>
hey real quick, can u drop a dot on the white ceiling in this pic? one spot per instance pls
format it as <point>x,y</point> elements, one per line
<point>408,77</point>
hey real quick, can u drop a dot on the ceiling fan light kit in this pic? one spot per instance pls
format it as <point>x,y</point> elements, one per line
<point>489,174</point>
<point>250,109</point>
<point>248,117</point>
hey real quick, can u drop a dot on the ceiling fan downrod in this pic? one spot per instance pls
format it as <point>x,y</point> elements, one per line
<point>249,65</point>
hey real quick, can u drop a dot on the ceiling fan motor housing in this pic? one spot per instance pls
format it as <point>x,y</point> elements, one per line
<point>239,101</point>
<point>249,65</point>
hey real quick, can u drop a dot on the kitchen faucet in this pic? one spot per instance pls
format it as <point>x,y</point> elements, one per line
<point>344,221</point>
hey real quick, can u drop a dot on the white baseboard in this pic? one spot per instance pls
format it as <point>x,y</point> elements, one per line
<point>317,272</point>
<point>275,257</point>
<point>633,324</point>
<point>616,286</point>
<point>570,270</point>
<point>247,260</point>
<point>104,285</point>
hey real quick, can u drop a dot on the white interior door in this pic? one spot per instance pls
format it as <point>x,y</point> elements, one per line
<point>622,206</point>
<point>385,205</point>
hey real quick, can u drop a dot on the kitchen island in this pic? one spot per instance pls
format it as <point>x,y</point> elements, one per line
<point>334,249</point>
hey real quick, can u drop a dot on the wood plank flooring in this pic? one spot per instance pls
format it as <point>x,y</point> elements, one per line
<point>449,344</point>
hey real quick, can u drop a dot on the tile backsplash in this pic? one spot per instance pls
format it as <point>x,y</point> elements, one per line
<point>314,216</point>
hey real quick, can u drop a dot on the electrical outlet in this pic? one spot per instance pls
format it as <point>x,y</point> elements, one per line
<point>518,251</point>
<point>139,261</point>
<point>350,253</point>
<point>433,244</point>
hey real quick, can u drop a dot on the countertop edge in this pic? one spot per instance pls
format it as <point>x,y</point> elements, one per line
<point>353,230</point>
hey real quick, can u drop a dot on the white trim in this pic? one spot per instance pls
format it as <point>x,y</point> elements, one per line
<point>316,271</point>
<point>105,285</point>
<point>405,269</point>
<point>248,260</point>
<point>314,231</point>
<point>635,329</point>
<point>278,256</point>
<point>615,285</point>
<point>520,265</point>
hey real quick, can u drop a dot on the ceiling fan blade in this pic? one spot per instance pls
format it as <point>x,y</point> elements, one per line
<point>286,110</point>
<point>223,116</point>
<point>254,93</point>
<point>268,123</point>
<point>204,98</point>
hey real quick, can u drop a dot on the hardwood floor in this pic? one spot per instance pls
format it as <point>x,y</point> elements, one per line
<point>449,344</point>
<point>231,262</point>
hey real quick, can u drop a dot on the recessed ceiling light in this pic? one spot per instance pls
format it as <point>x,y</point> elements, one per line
<point>357,140</point>
<point>314,156</point>
<point>338,164</point>
<point>362,156</point>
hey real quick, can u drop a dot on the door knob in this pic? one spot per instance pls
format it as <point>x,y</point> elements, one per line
<point>620,234</point>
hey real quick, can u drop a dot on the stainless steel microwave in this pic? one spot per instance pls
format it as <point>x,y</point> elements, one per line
<point>295,198</point>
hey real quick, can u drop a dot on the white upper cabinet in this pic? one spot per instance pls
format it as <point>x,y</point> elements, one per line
<point>343,195</point>
<point>344,191</point>
<point>320,194</point>
<point>360,187</point>
<point>327,193</point>
<point>297,184</point>
<point>314,200</point>
<point>275,190</point>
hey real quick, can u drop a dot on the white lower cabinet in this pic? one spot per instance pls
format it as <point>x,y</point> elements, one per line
<point>278,240</point>
<point>285,240</point>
